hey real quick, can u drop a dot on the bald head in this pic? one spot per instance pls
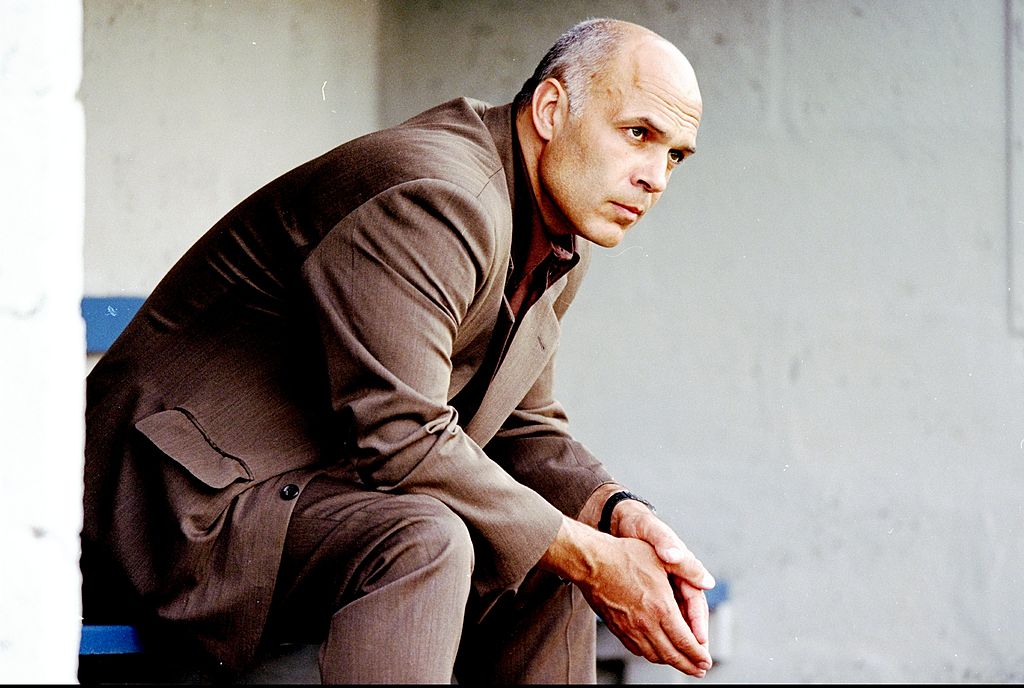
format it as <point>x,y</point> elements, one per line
<point>646,61</point>
<point>593,51</point>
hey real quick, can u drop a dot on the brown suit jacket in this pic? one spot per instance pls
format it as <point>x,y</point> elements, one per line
<point>325,324</point>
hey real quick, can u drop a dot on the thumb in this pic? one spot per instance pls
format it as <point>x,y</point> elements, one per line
<point>670,554</point>
<point>676,556</point>
<point>684,564</point>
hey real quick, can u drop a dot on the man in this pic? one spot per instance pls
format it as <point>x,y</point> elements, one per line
<point>333,418</point>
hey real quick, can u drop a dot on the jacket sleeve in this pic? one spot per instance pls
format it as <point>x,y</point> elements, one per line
<point>535,447</point>
<point>390,285</point>
<point>534,444</point>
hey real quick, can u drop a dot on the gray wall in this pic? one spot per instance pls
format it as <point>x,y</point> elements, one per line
<point>805,356</point>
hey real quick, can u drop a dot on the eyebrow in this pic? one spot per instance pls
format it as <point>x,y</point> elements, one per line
<point>649,123</point>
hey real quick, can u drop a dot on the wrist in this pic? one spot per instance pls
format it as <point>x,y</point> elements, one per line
<point>590,514</point>
<point>572,554</point>
<point>618,503</point>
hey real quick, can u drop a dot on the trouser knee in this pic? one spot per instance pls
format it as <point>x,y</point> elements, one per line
<point>428,539</point>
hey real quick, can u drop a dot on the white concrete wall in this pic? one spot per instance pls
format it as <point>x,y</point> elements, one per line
<point>192,105</point>
<point>41,339</point>
<point>804,356</point>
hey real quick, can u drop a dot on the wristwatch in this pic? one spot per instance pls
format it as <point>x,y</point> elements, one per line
<point>605,524</point>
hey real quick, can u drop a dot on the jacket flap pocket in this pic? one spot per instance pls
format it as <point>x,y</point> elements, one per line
<point>178,436</point>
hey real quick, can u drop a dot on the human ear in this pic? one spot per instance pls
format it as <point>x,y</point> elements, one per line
<point>549,107</point>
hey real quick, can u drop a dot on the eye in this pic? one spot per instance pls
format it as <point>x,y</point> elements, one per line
<point>638,133</point>
<point>676,156</point>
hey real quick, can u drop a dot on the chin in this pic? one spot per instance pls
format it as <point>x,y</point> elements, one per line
<point>607,237</point>
<point>609,242</point>
<point>600,231</point>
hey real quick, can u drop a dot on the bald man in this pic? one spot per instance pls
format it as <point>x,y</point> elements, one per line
<point>333,419</point>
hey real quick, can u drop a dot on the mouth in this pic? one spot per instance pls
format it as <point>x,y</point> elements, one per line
<point>631,210</point>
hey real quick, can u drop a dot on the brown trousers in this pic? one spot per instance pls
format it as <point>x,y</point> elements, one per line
<point>384,583</point>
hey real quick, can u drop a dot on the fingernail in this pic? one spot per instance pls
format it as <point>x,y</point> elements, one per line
<point>674,554</point>
<point>708,581</point>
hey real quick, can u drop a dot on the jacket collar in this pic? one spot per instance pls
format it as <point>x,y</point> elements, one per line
<point>498,120</point>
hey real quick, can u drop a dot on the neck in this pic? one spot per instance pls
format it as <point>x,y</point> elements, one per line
<point>531,147</point>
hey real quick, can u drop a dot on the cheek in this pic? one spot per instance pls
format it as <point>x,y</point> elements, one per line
<point>615,165</point>
<point>578,175</point>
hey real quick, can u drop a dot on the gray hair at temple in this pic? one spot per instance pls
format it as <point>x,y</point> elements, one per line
<point>575,58</point>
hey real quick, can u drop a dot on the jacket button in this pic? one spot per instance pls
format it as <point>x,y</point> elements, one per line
<point>290,491</point>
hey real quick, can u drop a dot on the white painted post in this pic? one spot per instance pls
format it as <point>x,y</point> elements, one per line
<point>42,341</point>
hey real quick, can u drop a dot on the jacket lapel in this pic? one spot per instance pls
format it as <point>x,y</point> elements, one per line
<point>531,349</point>
<point>535,340</point>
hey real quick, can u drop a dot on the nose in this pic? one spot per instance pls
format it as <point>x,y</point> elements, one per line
<point>652,174</point>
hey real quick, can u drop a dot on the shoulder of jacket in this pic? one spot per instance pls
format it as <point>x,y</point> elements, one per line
<point>449,142</point>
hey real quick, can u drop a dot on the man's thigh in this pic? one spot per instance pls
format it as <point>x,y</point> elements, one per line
<point>344,542</point>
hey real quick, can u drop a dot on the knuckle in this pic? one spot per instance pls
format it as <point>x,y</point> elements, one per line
<point>645,625</point>
<point>666,610</point>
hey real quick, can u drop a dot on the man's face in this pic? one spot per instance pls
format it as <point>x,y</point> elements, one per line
<point>608,163</point>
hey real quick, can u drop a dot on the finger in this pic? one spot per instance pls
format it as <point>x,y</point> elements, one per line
<point>660,635</point>
<point>666,543</point>
<point>653,644</point>
<point>689,568</point>
<point>694,605</point>
<point>638,642</point>
<point>645,651</point>
<point>681,650</point>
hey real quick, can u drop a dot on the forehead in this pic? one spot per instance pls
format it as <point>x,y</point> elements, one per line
<point>653,81</point>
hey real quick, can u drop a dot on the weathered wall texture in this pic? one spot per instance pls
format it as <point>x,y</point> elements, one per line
<point>42,152</point>
<point>803,356</point>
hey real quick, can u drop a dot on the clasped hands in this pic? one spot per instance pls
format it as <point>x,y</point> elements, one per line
<point>642,580</point>
<point>667,619</point>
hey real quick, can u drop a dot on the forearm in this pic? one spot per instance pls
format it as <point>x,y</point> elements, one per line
<point>548,461</point>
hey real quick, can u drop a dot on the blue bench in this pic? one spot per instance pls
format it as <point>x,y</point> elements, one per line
<point>109,640</point>
<point>123,640</point>
<point>105,317</point>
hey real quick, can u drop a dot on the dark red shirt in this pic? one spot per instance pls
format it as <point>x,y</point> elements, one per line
<point>543,260</point>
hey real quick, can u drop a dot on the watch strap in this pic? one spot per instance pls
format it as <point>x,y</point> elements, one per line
<point>605,524</point>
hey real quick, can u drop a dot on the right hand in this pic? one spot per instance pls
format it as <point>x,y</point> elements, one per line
<point>625,582</point>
